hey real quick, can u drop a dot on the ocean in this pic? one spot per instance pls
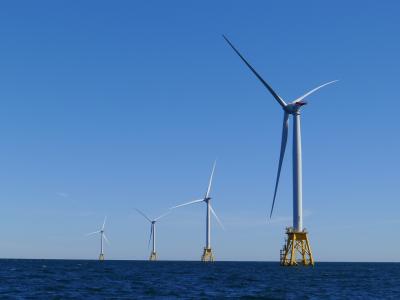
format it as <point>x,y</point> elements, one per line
<point>85,279</point>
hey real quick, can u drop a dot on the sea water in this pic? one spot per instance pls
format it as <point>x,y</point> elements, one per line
<point>84,279</point>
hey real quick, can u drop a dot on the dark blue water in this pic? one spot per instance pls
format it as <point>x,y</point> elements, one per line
<point>72,279</point>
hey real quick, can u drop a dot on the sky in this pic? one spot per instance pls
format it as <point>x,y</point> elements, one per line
<point>108,106</point>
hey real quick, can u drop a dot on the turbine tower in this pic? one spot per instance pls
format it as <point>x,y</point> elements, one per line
<point>297,241</point>
<point>207,252</point>
<point>102,237</point>
<point>153,254</point>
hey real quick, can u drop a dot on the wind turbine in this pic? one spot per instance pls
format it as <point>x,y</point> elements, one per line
<point>297,235</point>
<point>207,253</point>
<point>153,255</point>
<point>102,236</point>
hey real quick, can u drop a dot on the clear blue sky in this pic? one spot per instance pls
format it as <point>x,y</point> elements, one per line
<point>111,105</point>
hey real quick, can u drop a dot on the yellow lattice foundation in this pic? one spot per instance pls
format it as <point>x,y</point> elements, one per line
<point>297,250</point>
<point>101,257</point>
<point>207,255</point>
<point>153,256</point>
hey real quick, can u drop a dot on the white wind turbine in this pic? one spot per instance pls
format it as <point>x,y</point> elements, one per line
<point>207,254</point>
<point>102,237</point>
<point>153,255</point>
<point>292,108</point>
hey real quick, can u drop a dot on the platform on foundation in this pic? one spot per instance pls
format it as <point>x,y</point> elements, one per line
<point>297,250</point>
<point>153,256</point>
<point>101,257</point>
<point>207,255</point>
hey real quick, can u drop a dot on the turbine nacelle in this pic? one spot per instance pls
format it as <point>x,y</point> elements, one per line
<point>300,103</point>
<point>294,107</point>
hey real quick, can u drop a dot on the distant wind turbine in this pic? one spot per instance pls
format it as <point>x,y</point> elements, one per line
<point>153,254</point>
<point>296,235</point>
<point>102,236</point>
<point>207,253</point>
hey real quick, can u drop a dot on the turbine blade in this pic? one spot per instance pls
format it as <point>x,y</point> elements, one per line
<point>216,217</point>
<point>211,178</point>
<point>276,96</point>
<point>314,90</point>
<point>93,233</point>
<point>191,202</point>
<point>162,216</point>
<point>142,213</point>
<point>151,233</point>
<point>283,147</point>
<point>104,223</point>
<point>106,239</point>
